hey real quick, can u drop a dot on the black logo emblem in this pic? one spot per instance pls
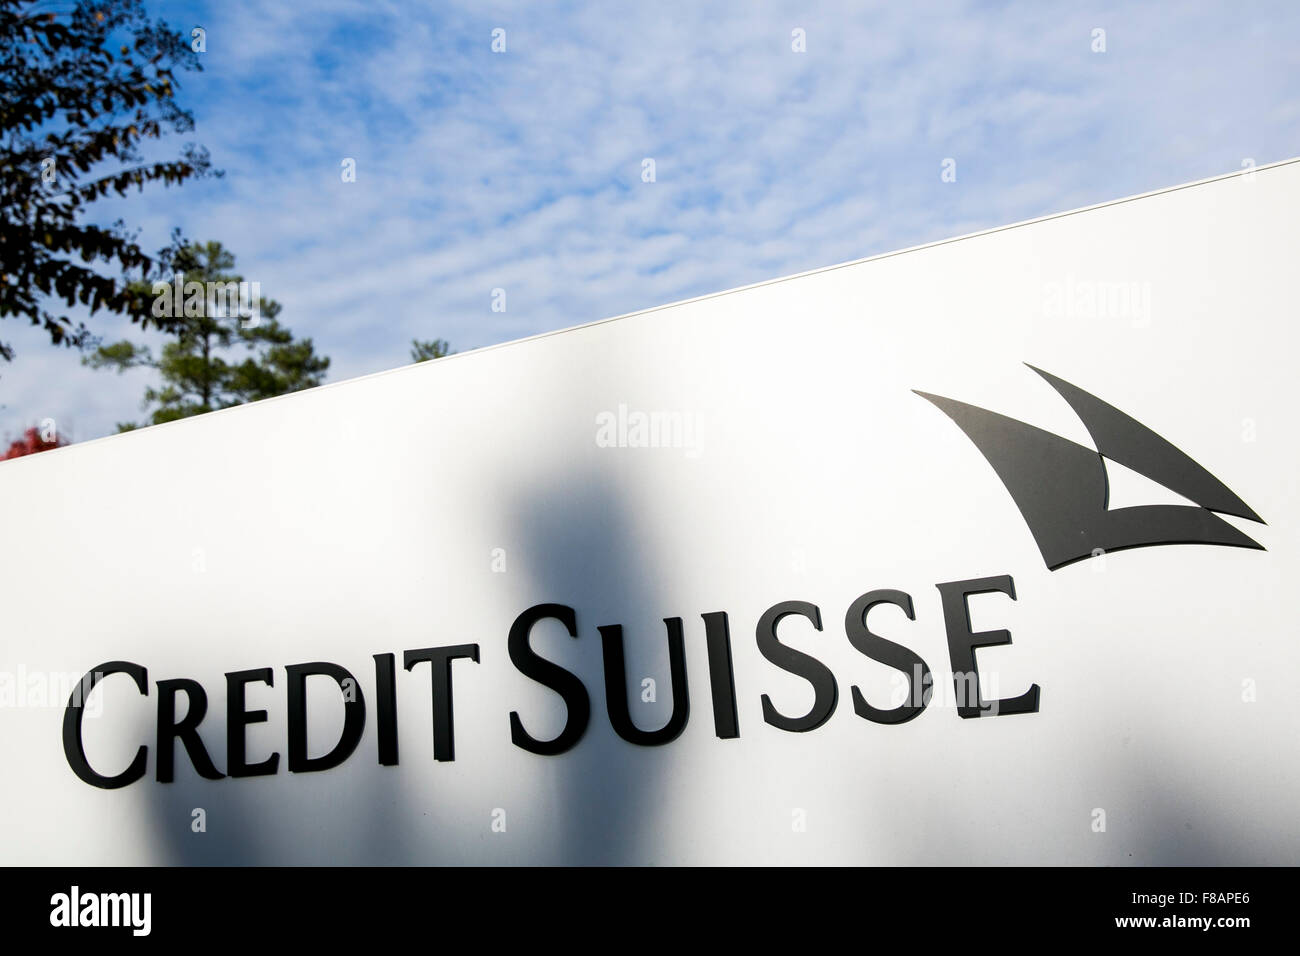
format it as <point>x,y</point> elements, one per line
<point>1062,490</point>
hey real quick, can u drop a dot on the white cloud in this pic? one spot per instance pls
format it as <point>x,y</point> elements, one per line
<point>522,170</point>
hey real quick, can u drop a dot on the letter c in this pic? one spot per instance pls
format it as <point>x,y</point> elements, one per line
<point>73,748</point>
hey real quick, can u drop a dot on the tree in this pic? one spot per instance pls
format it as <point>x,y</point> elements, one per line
<point>34,440</point>
<point>425,351</point>
<point>73,114</point>
<point>197,374</point>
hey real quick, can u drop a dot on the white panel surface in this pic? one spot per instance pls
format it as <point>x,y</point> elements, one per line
<point>363,517</point>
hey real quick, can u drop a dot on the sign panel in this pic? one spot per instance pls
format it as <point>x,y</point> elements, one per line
<point>982,552</point>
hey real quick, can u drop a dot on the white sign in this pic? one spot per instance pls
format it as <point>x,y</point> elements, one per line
<point>427,616</point>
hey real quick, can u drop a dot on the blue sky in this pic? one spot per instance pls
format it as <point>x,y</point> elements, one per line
<point>522,170</point>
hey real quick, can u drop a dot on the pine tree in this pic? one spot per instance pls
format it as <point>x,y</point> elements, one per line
<point>201,370</point>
